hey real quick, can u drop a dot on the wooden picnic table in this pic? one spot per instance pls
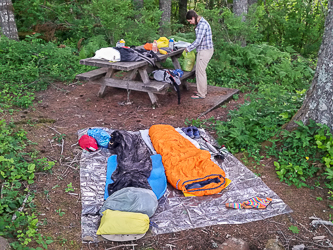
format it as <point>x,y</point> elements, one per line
<point>106,75</point>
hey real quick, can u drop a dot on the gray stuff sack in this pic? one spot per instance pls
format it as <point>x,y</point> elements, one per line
<point>132,199</point>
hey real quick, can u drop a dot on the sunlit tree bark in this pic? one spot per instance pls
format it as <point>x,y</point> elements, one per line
<point>318,103</point>
<point>165,7</point>
<point>240,9</point>
<point>7,20</point>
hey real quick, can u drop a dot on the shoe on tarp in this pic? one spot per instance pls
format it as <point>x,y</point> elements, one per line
<point>188,131</point>
<point>196,133</point>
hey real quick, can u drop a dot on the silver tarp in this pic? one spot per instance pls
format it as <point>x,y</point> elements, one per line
<point>176,212</point>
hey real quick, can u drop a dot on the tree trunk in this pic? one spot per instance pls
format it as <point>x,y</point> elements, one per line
<point>165,6</point>
<point>7,20</point>
<point>318,103</point>
<point>240,9</point>
<point>182,11</point>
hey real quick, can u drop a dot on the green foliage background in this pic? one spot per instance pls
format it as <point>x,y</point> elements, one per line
<point>275,69</point>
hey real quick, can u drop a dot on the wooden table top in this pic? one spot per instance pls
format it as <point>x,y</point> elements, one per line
<point>126,66</point>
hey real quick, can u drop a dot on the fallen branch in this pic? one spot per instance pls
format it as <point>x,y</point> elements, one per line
<point>62,146</point>
<point>21,208</point>
<point>320,245</point>
<point>305,228</point>
<point>287,241</point>
<point>53,129</point>
<point>79,197</point>
<point>329,231</point>
<point>126,245</point>
<point>276,222</point>
<point>169,245</point>
<point>176,240</point>
<point>56,87</point>
<point>315,223</point>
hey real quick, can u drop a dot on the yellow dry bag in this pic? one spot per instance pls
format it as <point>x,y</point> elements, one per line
<point>189,60</point>
<point>118,222</point>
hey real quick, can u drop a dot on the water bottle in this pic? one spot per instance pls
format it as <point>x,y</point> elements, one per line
<point>122,43</point>
<point>154,48</point>
<point>171,42</point>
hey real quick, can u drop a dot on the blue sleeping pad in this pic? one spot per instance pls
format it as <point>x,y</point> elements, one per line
<point>157,179</point>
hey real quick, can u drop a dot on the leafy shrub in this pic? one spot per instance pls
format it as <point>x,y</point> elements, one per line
<point>255,64</point>
<point>295,23</point>
<point>57,20</point>
<point>93,44</point>
<point>296,154</point>
<point>28,66</point>
<point>324,140</point>
<point>258,119</point>
<point>122,21</point>
<point>228,28</point>
<point>14,172</point>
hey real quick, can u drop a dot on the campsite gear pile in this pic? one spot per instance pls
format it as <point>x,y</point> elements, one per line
<point>121,53</point>
<point>143,201</point>
<point>136,179</point>
<point>163,45</point>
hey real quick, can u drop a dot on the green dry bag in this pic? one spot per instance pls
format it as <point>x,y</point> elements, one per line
<point>189,60</point>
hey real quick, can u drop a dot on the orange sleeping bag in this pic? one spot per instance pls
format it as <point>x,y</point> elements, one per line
<point>187,168</point>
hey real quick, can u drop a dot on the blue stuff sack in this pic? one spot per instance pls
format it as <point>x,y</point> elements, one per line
<point>179,72</point>
<point>101,136</point>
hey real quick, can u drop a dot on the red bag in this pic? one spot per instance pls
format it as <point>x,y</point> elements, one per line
<point>88,143</point>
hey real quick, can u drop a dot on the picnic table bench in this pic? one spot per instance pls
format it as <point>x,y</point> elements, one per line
<point>105,75</point>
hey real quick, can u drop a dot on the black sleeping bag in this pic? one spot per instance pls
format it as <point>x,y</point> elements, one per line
<point>133,161</point>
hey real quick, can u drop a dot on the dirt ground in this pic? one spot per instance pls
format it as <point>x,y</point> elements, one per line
<point>62,110</point>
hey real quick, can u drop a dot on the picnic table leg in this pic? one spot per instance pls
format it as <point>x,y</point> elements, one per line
<point>145,79</point>
<point>144,75</point>
<point>101,91</point>
<point>153,98</point>
<point>175,62</point>
<point>131,74</point>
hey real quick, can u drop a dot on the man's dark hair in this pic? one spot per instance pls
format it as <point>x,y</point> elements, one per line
<point>190,14</point>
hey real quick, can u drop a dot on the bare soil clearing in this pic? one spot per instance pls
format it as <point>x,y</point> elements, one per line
<point>64,110</point>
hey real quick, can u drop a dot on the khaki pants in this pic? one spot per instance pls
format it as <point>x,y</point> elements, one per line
<point>203,58</point>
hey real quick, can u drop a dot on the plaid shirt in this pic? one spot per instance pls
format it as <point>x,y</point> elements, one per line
<point>204,38</point>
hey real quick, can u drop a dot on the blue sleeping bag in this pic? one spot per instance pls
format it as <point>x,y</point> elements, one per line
<point>157,179</point>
